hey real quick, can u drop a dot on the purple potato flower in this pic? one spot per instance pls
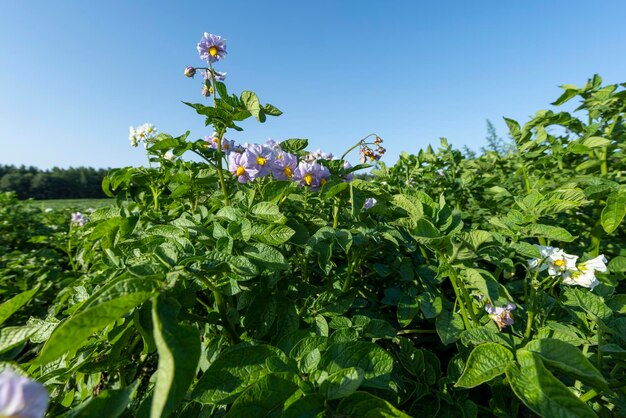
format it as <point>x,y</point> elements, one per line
<point>227,146</point>
<point>21,396</point>
<point>243,166</point>
<point>501,315</point>
<point>369,202</point>
<point>284,165</point>
<point>79,219</point>
<point>211,48</point>
<point>316,155</point>
<point>311,174</point>
<point>219,76</point>
<point>346,166</point>
<point>263,158</point>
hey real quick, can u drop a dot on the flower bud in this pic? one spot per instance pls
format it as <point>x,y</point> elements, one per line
<point>206,89</point>
<point>189,72</point>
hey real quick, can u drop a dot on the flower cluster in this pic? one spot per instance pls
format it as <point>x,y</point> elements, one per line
<point>21,397</point>
<point>144,133</point>
<point>366,152</point>
<point>227,146</point>
<point>559,263</point>
<point>79,219</point>
<point>501,315</point>
<point>260,160</point>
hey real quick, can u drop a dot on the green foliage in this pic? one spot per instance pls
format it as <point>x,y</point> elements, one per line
<point>192,294</point>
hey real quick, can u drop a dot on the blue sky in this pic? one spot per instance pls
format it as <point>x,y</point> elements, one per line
<point>75,74</point>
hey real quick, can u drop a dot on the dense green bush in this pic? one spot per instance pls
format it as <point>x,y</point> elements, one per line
<point>446,286</point>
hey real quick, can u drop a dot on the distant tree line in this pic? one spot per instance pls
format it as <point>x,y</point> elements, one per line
<point>57,183</point>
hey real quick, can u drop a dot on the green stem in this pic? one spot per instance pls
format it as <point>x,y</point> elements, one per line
<point>586,397</point>
<point>532,295</point>
<point>355,146</point>
<point>335,214</point>
<point>461,297</point>
<point>416,331</point>
<point>223,311</point>
<point>348,282</point>
<point>220,134</point>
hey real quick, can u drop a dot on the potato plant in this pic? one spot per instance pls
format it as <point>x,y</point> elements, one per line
<point>268,280</point>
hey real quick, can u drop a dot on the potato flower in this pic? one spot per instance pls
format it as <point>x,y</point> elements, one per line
<point>242,165</point>
<point>21,397</point>
<point>211,48</point>
<point>554,259</point>
<point>584,274</point>
<point>284,165</point>
<point>501,315</point>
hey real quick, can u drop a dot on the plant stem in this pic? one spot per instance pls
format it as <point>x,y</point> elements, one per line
<point>220,134</point>
<point>221,307</point>
<point>335,214</point>
<point>355,146</point>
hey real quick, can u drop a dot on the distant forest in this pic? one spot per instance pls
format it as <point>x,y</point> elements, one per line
<point>57,183</point>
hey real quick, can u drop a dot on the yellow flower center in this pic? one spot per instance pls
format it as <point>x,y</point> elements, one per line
<point>559,263</point>
<point>288,172</point>
<point>308,179</point>
<point>213,51</point>
<point>240,171</point>
<point>260,160</point>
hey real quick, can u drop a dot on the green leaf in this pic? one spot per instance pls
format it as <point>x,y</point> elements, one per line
<point>232,372</point>
<point>614,211</point>
<point>477,336</point>
<point>567,359</point>
<point>178,346</point>
<point>251,102</point>
<point>309,406</point>
<point>424,229</point>
<point>543,393</point>
<point>596,142</point>
<point>261,315</point>
<point>408,308</point>
<point>549,231</point>
<point>375,362</point>
<point>525,249</point>
<point>618,264</point>
<point>113,302</point>
<point>567,95</point>
<point>342,383</point>
<point>11,337</point>
<point>294,145</point>
<point>270,256</point>
<point>589,302</point>
<point>109,403</point>
<point>309,362</point>
<point>271,110</point>
<point>268,211</point>
<point>449,326</point>
<point>484,282</point>
<point>514,128</point>
<point>9,307</point>
<point>366,405</point>
<point>272,234</point>
<point>484,363</point>
<point>430,305</point>
<point>265,398</point>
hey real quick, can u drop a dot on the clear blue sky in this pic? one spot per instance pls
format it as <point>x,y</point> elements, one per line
<point>75,74</point>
